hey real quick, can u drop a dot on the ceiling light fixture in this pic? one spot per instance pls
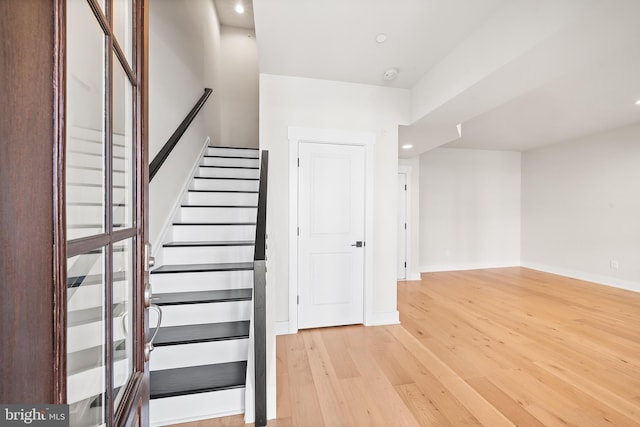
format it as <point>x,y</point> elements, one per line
<point>638,102</point>
<point>407,146</point>
<point>239,8</point>
<point>381,38</point>
<point>390,74</point>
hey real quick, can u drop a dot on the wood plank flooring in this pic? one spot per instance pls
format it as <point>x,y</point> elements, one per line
<point>498,347</point>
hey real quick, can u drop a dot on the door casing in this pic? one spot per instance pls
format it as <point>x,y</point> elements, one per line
<point>339,137</point>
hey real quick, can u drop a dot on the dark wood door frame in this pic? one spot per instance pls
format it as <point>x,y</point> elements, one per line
<point>32,223</point>
<point>29,365</point>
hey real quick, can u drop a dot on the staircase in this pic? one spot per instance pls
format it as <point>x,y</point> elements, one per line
<point>204,289</point>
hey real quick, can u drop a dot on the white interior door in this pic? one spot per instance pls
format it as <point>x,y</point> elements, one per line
<point>331,202</point>
<point>402,226</point>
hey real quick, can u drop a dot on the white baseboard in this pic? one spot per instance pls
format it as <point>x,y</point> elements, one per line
<point>412,276</point>
<point>583,275</point>
<point>380,319</point>
<point>472,266</point>
<point>282,328</point>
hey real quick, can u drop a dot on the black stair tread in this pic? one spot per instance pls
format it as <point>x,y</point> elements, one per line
<point>197,379</point>
<point>92,315</point>
<point>198,268</point>
<point>230,167</point>
<point>214,223</point>
<point>211,243</point>
<point>94,279</point>
<point>87,153</point>
<point>223,191</point>
<point>233,148</point>
<point>94,168</point>
<point>208,332</point>
<point>100,204</point>
<point>203,297</point>
<point>228,157</point>
<point>85,184</point>
<point>221,177</point>
<point>219,206</point>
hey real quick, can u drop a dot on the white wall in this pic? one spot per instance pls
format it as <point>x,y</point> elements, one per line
<point>184,58</point>
<point>469,209</point>
<point>239,89</point>
<point>581,208</point>
<point>413,273</point>
<point>300,102</point>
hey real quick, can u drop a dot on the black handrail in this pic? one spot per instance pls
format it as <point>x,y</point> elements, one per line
<point>259,298</point>
<point>160,158</point>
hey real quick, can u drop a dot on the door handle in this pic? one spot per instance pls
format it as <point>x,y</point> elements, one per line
<point>358,244</point>
<point>148,347</point>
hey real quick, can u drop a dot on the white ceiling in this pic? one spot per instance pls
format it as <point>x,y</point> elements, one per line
<point>229,17</point>
<point>516,74</point>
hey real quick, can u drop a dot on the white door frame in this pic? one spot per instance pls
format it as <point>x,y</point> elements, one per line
<point>406,170</point>
<point>339,137</point>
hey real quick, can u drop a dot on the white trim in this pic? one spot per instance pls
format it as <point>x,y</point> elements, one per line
<point>406,170</point>
<point>462,267</point>
<point>587,277</point>
<point>329,136</point>
<point>380,319</point>
<point>282,328</point>
<point>166,227</point>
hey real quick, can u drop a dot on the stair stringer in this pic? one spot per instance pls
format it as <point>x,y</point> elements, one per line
<point>156,246</point>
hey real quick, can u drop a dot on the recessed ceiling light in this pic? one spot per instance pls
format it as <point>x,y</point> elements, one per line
<point>407,146</point>
<point>381,38</point>
<point>390,74</point>
<point>239,8</point>
<point>638,102</point>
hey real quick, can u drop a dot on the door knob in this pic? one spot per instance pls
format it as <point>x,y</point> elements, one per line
<point>358,244</point>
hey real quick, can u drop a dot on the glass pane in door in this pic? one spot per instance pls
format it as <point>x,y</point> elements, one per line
<point>123,152</point>
<point>86,338</point>
<point>123,316</point>
<point>85,168</point>
<point>123,26</point>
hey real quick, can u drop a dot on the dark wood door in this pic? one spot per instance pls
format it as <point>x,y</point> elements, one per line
<point>72,269</point>
<point>104,208</point>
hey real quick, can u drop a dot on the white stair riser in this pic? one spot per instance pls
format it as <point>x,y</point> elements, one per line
<point>94,147</point>
<point>222,199</point>
<point>80,194</point>
<point>86,158</point>
<point>90,176</point>
<point>90,383</point>
<point>89,296</point>
<point>199,406</point>
<point>207,255</point>
<point>215,233</point>
<point>204,281</point>
<point>205,353</point>
<point>91,334</point>
<point>225,161</point>
<point>232,152</point>
<point>87,264</point>
<point>209,214</point>
<point>225,184</point>
<point>191,314</point>
<point>228,172</point>
<point>78,233</point>
<point>92,214</point>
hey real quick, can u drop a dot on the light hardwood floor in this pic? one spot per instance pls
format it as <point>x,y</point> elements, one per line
<point>498,347</point>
